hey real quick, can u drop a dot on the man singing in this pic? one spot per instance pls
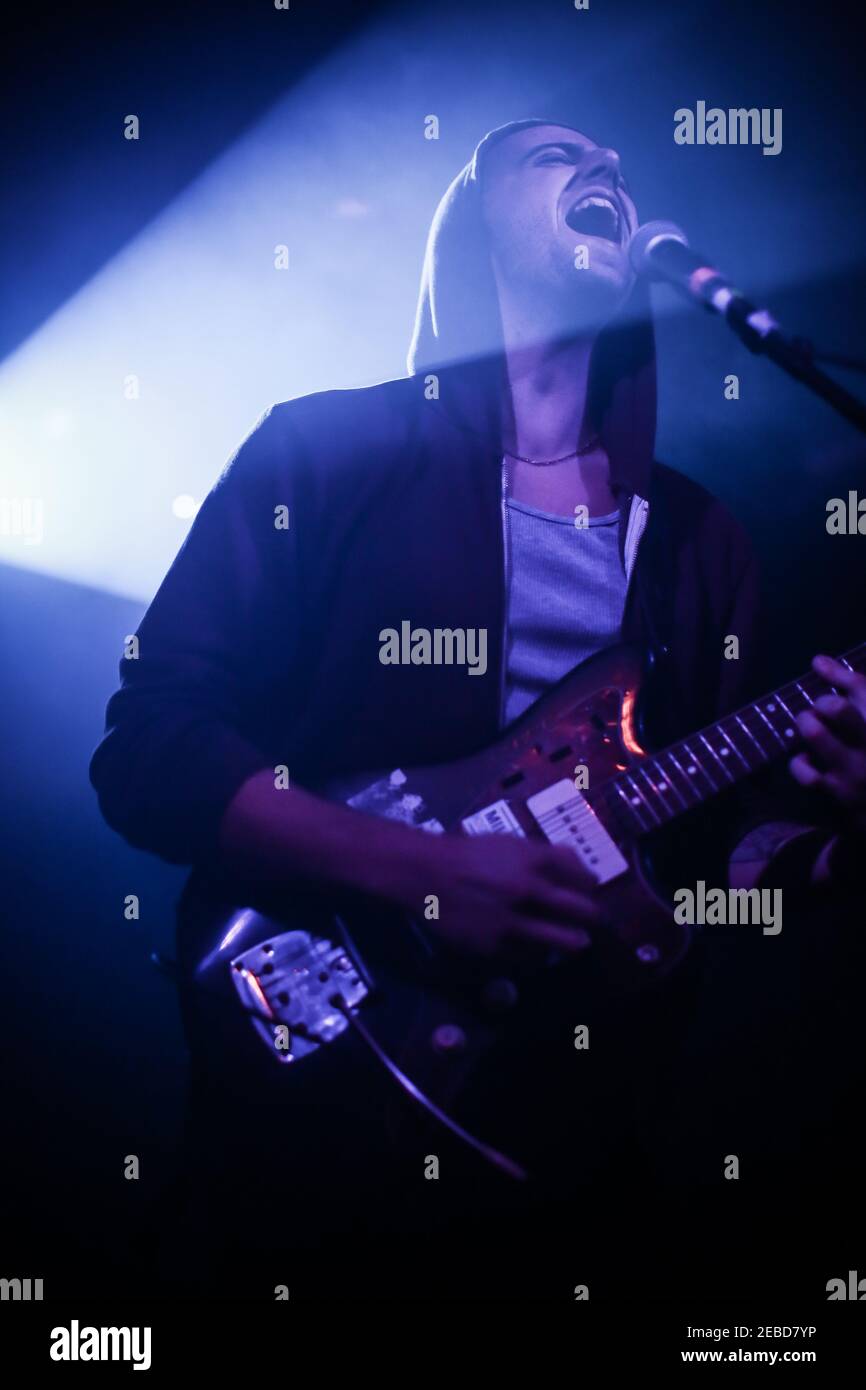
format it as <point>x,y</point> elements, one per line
<point>506,485</point>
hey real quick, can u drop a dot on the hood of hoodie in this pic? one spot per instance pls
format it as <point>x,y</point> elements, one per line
<point>458,332</point>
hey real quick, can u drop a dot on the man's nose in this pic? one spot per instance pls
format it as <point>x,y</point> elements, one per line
<point>601,164</point>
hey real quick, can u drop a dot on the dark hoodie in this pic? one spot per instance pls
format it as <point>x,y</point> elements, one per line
<point>261,646</point>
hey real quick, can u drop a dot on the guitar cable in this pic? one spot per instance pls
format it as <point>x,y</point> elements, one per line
<point>486,1151</point>
<point>493,1156</point>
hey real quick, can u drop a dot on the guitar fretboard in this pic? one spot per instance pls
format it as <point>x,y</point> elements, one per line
<point>666,784</point>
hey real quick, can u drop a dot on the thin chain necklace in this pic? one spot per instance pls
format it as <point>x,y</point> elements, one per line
<point>547,463</point>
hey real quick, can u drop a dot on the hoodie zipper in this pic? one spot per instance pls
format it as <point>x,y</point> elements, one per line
<point>637,520</point>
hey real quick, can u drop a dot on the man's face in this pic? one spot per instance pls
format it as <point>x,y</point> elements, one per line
<point>547,191</point>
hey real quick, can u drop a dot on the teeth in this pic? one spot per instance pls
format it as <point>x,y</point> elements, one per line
<point>596,200</point>
<point>592,201</point>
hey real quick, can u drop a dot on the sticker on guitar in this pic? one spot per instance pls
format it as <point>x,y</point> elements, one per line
<point>564,818</point>
<point>496,819</point>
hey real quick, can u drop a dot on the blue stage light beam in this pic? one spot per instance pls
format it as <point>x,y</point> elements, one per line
<point>118,415</point>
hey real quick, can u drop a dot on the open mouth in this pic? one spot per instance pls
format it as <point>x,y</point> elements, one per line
<point>595,215</point>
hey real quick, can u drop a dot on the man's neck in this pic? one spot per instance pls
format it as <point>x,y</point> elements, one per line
<point>547,386</point>
<point>548,371</point>
<point>544,414</point>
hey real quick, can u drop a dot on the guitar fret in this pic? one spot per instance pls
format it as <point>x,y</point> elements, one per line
<point>708,745</point>
<point>689,783</point>
<point>642,772</point>
<point>661,782</point>
<point>749,739</point>
<point>799,687</point>
<point>672,784</point>
<point>797,701</point>
<point>659,787</point>
<point>742,757</point>
<point>756,727</point>
<point>695,762</point>
<point>650,807</point>
<point>747,730</point>
<point>774,706</point>
<point>789,733</point>
<point>773,730</point>
<point>633,805</point>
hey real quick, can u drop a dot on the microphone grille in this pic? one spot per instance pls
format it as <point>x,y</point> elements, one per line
<point>646,238</point>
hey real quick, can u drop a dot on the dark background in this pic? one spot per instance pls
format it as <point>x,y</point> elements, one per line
<point>93,1058</point>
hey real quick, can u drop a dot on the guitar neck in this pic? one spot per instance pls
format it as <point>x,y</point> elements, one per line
<point>666,785</point>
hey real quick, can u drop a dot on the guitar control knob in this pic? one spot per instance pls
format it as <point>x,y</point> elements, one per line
<point>648,954</point>
<point>448,1038</point>
<point>499,995</point>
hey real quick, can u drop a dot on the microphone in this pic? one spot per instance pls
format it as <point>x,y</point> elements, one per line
<point>661,250</point>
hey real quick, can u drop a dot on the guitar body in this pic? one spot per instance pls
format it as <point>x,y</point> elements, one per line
<point>277,986</point>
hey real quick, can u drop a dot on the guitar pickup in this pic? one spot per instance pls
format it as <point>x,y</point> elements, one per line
<point>565,817</point>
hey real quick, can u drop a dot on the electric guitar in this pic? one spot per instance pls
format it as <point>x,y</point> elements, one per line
<point>572,771</point>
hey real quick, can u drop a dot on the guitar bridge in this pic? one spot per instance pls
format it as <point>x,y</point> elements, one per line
<point>288,986</point>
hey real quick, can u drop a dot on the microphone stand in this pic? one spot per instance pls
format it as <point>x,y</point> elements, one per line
<point>762,334</point>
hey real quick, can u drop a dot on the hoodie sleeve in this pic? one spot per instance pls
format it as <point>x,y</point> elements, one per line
<point>176,746</point>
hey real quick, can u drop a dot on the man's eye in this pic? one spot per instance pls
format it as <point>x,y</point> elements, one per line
<point>553,158</point>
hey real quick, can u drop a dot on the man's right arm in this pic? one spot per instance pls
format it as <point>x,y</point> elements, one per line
<point>491,891</point>
<point>274,834</point>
